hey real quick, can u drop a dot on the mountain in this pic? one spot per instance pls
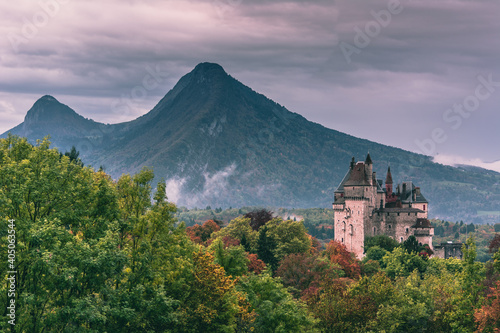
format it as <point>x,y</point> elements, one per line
<point>217,142</point>
<point>50,117</point>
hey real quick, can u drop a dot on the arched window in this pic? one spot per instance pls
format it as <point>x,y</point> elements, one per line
<point>401,239</point>
<point>374,231</point>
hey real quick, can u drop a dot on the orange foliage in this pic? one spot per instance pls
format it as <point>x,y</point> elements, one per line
<point>255,264</point>
<point>488,316</point>
<point>200,234</point>
<point>337,253</point>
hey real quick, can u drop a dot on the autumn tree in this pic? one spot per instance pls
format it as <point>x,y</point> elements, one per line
<point>487,317</point>
<point>303,271</point>
<point>201,233</point>
<point>338,254</point>
<point>214,304</point>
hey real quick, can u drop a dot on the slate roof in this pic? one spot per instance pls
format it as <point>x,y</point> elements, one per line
<point>408,195</point>
<point>340,188</point>
<point>358,176</point>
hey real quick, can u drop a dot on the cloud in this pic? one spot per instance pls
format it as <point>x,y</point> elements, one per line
<point>174,189</point>
<point>215,188</point>
<point>90,53</point>
<point>454,160</point>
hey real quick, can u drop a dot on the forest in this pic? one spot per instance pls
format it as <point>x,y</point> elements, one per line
<point>81,252</point>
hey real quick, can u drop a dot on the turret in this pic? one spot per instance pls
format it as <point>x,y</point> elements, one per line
<point>388,181</point>
<point>369,169</point>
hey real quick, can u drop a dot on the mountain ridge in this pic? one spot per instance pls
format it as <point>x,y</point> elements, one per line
<point>218,142</point>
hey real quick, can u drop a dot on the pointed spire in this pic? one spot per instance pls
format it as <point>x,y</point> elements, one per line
<point>388,178</point>
<point>368,159</point>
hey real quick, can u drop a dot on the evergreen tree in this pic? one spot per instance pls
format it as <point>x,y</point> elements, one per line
<point>266,247</point>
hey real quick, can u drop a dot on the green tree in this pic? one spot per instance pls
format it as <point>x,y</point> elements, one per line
<point>237,228</point>
<point>400,263</point>
<point>266,247</point>
<point>383,241</point>
<point>233,259</point>
<point>276,309</point>
<point>375,253</point>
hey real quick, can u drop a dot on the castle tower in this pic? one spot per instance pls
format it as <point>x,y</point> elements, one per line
<point>369,168</point>
<point>355,200</point>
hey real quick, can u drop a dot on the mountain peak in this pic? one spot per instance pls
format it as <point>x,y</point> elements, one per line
<point>47,98</point>
<point>49,109</point>
<point>207,71</point>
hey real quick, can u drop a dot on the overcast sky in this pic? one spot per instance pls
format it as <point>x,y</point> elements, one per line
<point>422,75</point>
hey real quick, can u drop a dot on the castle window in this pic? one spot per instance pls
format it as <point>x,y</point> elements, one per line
<point>378,213</point>
<point>408,214</point>
<point>415,214</point>
<point>387,214</point>
<point>351,229</point>
<point>424,207</point>
<point>398,214</point>
<point>407,230</point>
<point>343,226</point>
<point>401,239</point>
<point>342,240</point>
<point>389,226</point>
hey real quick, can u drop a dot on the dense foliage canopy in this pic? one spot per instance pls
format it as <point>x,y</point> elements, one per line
<point>93,254</point>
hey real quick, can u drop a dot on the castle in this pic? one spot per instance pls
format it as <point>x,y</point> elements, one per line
<point>364,207</point>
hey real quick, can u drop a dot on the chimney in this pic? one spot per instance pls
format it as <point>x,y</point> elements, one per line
<point>417,190</point>
<point>404,190</point>
<point>353,163</point>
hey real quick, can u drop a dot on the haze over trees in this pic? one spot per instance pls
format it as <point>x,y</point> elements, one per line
<point>95,254</point>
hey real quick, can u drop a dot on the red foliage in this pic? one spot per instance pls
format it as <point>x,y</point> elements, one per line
<point>488,316</point>
<point>494,244</point>
<point>230,241</point>
<point>337,252</point>
<point>315,245</point>
<point>200,234</point>
<point>255,264</point>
